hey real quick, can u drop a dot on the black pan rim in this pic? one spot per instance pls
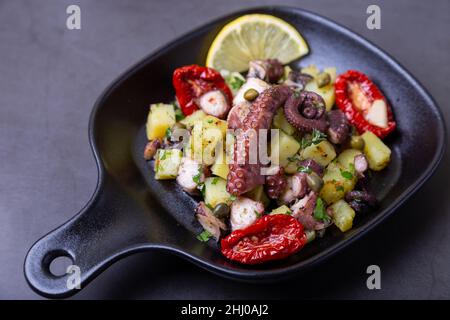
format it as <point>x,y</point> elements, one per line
<point>254,274</point>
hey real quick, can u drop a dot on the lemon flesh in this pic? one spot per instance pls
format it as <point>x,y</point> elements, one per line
<point>255,37</point>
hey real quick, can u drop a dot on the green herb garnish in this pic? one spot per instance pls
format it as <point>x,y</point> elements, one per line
<point>204,236</point>
<point>232,197</point>
<point>179,115</point>
<point>202,188</point>
<point>320,213</point>
<point>315,138</point>
<point>235,82</point>
<point>258,215</point>
<point>214,180</point>
<point>304,169</point>
<point>196,178</point>
<point>318,136</point>
<point>210,121</point>
<point>168,133</point>
<point>347,174</point>
<point>340,188</point>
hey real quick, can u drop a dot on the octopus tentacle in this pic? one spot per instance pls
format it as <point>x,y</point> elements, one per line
<point>339,130</point>
<point>306,111</point>
<point>276,183</point>
<point>270,70</point>
<point>243,175</point>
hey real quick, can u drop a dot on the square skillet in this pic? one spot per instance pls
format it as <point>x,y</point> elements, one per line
<point>131,212</point>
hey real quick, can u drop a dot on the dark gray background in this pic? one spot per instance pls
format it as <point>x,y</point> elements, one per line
<point>50,78</point>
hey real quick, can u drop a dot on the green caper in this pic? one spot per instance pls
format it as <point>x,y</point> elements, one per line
<point>221,211</point>
<point>314,182</point>
<point>356,142</point>
<point>251,94</point>
<point>323,79</point>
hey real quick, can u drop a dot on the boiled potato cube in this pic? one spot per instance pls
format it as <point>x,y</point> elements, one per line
<point>287,69</point>
<point>208,135</point>
<point>160,118</point>
<point>343,215</point>
<point>258,194</point>
<point>280,122</point>
<point>216,191</point>
<point>347,157</point>
<point>220,167</point>
<point>312,70</point>
<point>213,122</point>
<point>167,163</point>
<point>378,154</point>
<point>291,167</point>
<point>212,142</point>
<point>188,148</point>
<point>284,209</point>
<point>326,92</point>
<point>283,148</point>
<point>196,142</point>
<point>337,180</point>
<point>194,117</point>
<point>323,153</point>
<point>332,72</point>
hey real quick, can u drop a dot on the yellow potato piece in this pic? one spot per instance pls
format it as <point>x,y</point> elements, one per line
<point>378,154</point>
<point>160,118</point>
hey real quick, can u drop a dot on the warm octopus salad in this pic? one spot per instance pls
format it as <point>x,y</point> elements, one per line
<point>275,156</point>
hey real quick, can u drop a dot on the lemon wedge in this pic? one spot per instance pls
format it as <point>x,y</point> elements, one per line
<point>253,37</point>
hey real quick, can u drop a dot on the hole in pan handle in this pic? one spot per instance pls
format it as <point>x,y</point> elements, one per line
<point>105,230</point>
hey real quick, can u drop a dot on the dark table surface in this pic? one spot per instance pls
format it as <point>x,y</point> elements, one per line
<point>50,78</point>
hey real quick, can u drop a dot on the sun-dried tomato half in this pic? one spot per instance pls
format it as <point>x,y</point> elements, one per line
<point>271,237</point>
<point>192,81</point>
<point>364,104</point>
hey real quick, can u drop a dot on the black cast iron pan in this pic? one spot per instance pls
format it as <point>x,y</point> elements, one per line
<point>131,212</point>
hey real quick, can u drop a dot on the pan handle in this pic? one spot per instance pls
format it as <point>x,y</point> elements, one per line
<point>86,240</point>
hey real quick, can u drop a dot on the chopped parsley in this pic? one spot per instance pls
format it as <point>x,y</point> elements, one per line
<point>340,188</point>
<point>315,138</point>
<point>202,188</point>
<point>214,180</point>
<point>232,197</point>
<point>235,82</point>
<point>168,133</point>
<point>294,158</point>
<point>348,174</point>
<point>197,177</point>
<point>163,155</point>
<point>179,115</point>
<point>304,169</point>
<point>258,215</point>
<point>210,121</point>
<point>318,136</point>
<point>204,236</point>
<point>320,213</point>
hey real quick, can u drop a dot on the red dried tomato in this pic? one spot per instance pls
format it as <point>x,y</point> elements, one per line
<point>192,81</point>
<point>354,113</point>
<point>271,237</point>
